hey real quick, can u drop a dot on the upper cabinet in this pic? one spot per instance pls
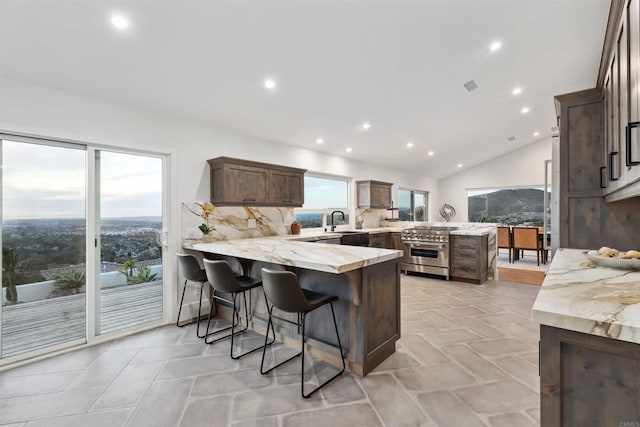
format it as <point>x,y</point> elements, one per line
<point>373,194</point>
<point>245,183</point>
<point>619,79</point>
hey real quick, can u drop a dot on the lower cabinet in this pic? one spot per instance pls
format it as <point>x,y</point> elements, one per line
<point>379,240</point>
<point>586,380</point>
<point>468,258</point>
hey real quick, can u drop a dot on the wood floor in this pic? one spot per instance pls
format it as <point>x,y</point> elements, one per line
<point>530,277</point>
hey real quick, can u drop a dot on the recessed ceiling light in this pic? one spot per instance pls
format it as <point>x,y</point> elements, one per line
<point>459,165</point>
<point>536,133</point>
<point>430,153</point>
<point>270,84</point>
<point>511,138</point>
<point>516,91</point>
<point>319,141</point>
<point>409,144</point>
<point>349,149</point>
<point>495,46</point>
<point>366,125</point>
<point>524,110</point>
<point>120,22</point>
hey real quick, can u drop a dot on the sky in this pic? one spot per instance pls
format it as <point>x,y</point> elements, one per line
<point>41,181</point>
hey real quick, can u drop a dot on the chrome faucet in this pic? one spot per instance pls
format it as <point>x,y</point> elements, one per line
<point>333,224</point>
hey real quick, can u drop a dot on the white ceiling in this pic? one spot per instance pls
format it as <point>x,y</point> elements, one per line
<point>398,64</point>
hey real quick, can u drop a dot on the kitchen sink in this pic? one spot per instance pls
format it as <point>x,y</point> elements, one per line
<point>353,238</point>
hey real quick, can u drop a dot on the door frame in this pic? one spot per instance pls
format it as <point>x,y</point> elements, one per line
<point>170,240</point>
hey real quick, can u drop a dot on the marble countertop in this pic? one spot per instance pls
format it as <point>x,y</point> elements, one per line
<point>579,296</point>
<point>289,250</point>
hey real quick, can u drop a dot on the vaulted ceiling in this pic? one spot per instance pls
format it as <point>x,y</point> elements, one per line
<point>398,65</point>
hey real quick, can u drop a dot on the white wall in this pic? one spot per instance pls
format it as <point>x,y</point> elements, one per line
<point>47,112</point>
<point>519,168</point>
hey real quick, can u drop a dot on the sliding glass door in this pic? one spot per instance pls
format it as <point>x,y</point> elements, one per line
<point>43,246</point>
<point>81,240</point>
<point>129,195</point>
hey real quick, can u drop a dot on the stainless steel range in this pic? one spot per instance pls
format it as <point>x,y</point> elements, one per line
<point>426,250</point>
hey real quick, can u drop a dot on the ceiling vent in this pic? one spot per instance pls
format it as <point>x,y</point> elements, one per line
<point>511,138</point>
<point>470,86</point>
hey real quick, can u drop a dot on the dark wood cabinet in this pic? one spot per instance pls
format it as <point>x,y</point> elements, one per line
<point>468,258</point>
<point>586,380</point>
<point>380,240</point>
<point>286,188</point>
<point>246,183</point>
<point>586,220</point>
<point>373,194</point>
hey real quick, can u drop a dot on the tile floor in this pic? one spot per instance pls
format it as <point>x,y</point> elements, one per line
<point>467,357</point>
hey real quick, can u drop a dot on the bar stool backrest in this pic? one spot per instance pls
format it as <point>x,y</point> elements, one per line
<point>190,268</point>
<point>283,290</point>
<point>221,276</point>
<point>525,238</point>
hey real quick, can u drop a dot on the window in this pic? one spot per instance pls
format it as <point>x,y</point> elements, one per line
<point>413,205</point>
<point>510,206</point>
<point>322,195</point>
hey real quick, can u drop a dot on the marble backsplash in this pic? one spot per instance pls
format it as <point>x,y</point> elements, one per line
<point>232,222</point>
<point>372,218</point>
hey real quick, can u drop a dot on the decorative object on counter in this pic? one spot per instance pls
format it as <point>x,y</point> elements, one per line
<point>359,221</point>
<point>295,227</point>
<point>206,213</point>
<point>392,209</point>
<point>447,212</point>
<point>607,257</point>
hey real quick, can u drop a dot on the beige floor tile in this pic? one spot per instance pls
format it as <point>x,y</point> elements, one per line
<point>113,418</point>
<point>209,412</point>
<point>421,350</point>
<point>155,354</point>
<point>447,410</point>
<point>520,370</point>
<point>36,384</point>
<point>343,416</point>
<point>498,397</point>
<point>392,402</point>
<point>439,377</point>
<point>500,347</point>
<point>515,419</point>
<point>230,382</point>
<point>438,320</point>
<point>278,400</point>
<point>129,387</point>
<point>49,405</point>
<point>344,389</point>
<point>103,370</point>
<point>474,363</point>
<point>398,360</point>
<point>451,336</point>
<point>163,404</point>
<point>193,366</point>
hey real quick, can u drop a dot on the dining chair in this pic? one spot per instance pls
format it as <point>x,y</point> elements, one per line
<point>504,240</point>
<point>526,238</point>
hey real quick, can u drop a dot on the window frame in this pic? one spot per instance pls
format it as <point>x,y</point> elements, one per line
<point>413,193</point>
<point>327,211</point>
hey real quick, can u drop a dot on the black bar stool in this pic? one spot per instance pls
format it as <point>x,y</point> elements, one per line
<point>223,280</point>
<point>283,290</point>
<point>192,273</point>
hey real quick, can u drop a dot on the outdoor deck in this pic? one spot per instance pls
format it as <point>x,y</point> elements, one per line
<point>32,325</point>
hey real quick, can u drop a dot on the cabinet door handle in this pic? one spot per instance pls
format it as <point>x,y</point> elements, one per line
<point>611,169</point>
<point>248,200</point>
<point>629,156</point>
<point>602,169</point>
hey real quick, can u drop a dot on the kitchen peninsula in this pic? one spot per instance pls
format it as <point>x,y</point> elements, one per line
<point>367,281</point>
<point>589,343</point>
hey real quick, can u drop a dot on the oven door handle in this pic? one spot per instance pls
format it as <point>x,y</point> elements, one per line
<point>426,245</point>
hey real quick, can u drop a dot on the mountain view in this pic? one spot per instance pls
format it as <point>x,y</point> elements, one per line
<point>520,206</point>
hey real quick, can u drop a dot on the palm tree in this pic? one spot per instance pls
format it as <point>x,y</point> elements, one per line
<point>10,261</point>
